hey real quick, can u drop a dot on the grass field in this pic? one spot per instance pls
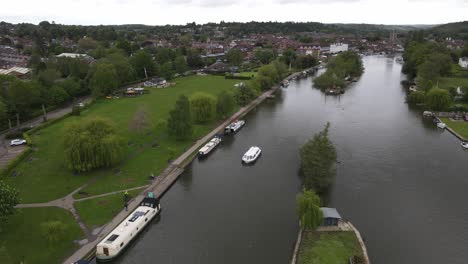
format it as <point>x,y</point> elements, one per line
<point>46,177</point>
<point>328,247</point>
<point>461,127</point>
<point>96,212</point>
<point>448,82</point>
<point>22,240</point>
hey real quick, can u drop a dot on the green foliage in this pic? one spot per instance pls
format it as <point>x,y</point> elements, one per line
<point>305,61</point>
<point>417,52</point>
<point>91,144</point>
<point>123,68</point>
<point>434,66</point>
<point>438,99</point>
<point>53,230</point>
<point>264,56</point>
<point>179,122</point>
<point>235,56</point>
<point>180,65</point>
<point>244,94</point>
<point>87,43</point>
<point>202,107</point>
<point>289,56</point>
<point>318,157</point>
<point>225,104</point>
<point>104,80</point>
<point>167,70</point>
<point>9,198</point>
<point>142,61</point>
<point>346,64</point>
<point>308,209</point>
<point>418,97</point>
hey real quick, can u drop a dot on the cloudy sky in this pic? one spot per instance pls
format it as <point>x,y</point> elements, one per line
<point>160,12</point>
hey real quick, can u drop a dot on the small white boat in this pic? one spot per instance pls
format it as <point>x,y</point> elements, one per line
<point>285,83</point>
<point>205,150</point>
<point>441,125</point>
<point>427,113</point>
<point>234,127</point>
<point>251,155</point>
<point>464,144</point>
<point>117,240</point>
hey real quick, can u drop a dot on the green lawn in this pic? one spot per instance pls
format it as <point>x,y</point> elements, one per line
<point>248,74</point>
<point>448,82</point>
<point>96,212</point>
<point>461,127</point>
<point>46,177</point>
<point>328,247</point>
<point>22,240</point>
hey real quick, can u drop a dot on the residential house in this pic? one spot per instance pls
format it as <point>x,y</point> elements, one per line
<point>463,62</point>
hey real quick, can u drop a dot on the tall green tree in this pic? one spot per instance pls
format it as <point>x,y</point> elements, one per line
<point>235,56</point>
<point>225,104</point>
<point>318,158</point>
<point>244,94</point>
<point>179,123</point>
<point>104,80</point>
<point>143,64</point>
<point>438,99</point>
<point>180,65</point>
<point>265,56</point>
<point>203,107</point>
<point>308,209</point>
<point>92,144</point>
<point>9,198</point>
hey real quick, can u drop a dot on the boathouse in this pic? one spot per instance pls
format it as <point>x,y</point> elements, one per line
<point>331,217</point>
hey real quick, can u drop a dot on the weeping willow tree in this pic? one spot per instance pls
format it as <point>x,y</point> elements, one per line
<point>308,209</point>
<point>92,144</point>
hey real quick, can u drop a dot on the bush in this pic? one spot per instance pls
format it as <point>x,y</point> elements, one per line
<point>238,77</point>
<point>245,94</point>
<point>202,107</point>
<point>76,111</point>
<point>418,97</point>
<point>179,123</point>
<point>53,230</point>
<point>225,104</point>
<point>17,133</point>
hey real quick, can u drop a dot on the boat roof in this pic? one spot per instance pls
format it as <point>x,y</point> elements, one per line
<point>252,150</point>
<point>330,213</point>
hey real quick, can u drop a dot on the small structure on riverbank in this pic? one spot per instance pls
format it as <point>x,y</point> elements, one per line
<point>331,217</point>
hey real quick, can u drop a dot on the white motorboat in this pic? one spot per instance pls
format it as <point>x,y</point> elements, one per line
<point>285,83</point>
<point>117,240</point>
<point>205,150</point>
<point>441,125</point>
<point>234,127</point>
<point>464,144</point>
<point>252,154</point>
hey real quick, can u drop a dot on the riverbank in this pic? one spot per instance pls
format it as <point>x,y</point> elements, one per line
<point>329,245</point>
<point>458,128</point>
<point>167,178</point>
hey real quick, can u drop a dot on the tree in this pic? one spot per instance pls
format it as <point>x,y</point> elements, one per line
<point>225,104</point>
<point>140,121</point>
<point>179,122</point>
<point>167,70</point>
<point>143,64</point>
<point>180,65</point>
<point>202,107</point>
<point>265,56</point>
<point>92,144</point>
<point>464,51</point>
<point>87,43</point>
<point>57,95</point>
<point>289,56</point>
<point>48,77</point>
<point>125,71</point>
<point>104,80</point>
<point>267,76</point>
<point>125,46</point>
<point>318,157</point>
<point>329,79</point>
<point>9,198</point>
<point>417,97</point>
<point>235,56</point>
<point>438,99</point>
<point>308,209</point>
<point>244,94</point>
<point>304,62</point>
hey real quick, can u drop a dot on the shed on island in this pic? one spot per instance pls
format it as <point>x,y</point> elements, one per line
<point>331,217</point>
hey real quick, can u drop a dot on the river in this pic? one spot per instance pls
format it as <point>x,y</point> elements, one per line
<point>402,182</point>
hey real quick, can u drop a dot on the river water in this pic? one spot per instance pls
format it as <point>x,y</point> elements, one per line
<point>402,182</point>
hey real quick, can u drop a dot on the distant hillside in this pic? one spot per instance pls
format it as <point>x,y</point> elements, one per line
<point>458,29</point>
<point>377,27</point>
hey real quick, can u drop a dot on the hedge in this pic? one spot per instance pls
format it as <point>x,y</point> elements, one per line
<point>238,77</point>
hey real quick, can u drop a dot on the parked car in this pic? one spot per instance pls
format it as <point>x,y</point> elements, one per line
<point>17,142</point>
<point>80,104</point>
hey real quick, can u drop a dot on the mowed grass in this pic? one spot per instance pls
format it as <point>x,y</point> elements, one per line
<point>46,176</point>
<point>23,242</point>
<point>448,82</point>
<point>97,212</point>
<point>328,247</point>
<point>461,127</point>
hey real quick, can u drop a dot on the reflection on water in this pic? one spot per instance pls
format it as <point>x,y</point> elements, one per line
<point>399,180</point>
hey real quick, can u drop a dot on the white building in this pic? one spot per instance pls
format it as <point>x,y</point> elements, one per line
<point>338,47</point>
<point>75,55</point>
<point>463,62</point>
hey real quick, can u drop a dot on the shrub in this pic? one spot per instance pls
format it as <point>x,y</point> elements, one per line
<point>225,103</point>
<point>438,99</point>
<point>417,97</point>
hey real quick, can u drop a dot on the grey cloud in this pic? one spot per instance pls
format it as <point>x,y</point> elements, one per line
<point>316,1</point>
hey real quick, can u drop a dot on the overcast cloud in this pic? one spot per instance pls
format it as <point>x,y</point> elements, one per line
<point>161,12</point>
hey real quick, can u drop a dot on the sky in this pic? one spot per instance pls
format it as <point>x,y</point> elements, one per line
<point>162,12</point>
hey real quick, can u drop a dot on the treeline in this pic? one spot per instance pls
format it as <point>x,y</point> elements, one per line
<point>346,65</point>
<point>426,64</point>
